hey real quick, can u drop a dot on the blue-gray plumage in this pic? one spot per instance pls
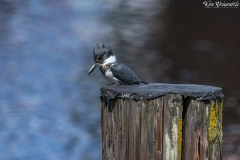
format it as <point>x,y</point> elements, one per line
<point>124,74</point>
<point>113,71</point>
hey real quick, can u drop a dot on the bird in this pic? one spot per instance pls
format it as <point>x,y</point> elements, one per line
<point>116,73</point>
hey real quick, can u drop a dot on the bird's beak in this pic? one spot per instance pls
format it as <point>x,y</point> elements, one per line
<point>95,65</point>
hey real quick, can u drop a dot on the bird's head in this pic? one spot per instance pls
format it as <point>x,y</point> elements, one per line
<point>102,55</point>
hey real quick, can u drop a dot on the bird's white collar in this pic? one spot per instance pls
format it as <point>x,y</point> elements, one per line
<point>111,59</point>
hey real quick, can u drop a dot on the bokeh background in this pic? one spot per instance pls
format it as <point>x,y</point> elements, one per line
<point>50,108</point>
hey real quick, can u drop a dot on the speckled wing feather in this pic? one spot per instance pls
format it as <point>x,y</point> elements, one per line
<point>124,74</point>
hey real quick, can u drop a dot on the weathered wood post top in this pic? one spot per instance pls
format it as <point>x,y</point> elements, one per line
<point>154,90</point>
<point>161,122</point>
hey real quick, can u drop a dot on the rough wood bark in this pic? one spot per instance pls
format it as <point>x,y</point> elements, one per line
<point>202,135</point>
<point>136,129</point>
<point>172,135</point>
<point>195,141</point>
<point>149,122</point>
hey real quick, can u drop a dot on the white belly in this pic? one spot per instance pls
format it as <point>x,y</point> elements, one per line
<point>109,76</point>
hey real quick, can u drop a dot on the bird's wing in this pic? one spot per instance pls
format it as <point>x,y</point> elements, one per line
<point>124,74</point>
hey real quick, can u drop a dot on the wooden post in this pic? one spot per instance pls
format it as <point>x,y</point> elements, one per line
<point>161,122</point>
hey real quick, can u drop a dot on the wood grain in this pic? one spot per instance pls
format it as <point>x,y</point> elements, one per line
<point>169,127</point>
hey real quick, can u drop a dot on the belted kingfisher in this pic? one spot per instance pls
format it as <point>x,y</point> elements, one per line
<point>113,71</point>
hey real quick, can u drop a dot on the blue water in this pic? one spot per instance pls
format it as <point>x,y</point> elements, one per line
<point>48,107</point>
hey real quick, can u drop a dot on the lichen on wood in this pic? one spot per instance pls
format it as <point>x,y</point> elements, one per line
<point>215,129</point>
<point>180,138</point>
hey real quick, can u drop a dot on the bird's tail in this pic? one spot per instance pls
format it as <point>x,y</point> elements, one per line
<point>142,82</point>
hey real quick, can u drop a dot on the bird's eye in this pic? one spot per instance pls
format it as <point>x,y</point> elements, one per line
<point>97,60</point>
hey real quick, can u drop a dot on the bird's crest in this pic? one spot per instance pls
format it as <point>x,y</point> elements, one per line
<point>101,49</point>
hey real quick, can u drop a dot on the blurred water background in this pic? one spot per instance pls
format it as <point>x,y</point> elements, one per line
<point>50,108</point>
